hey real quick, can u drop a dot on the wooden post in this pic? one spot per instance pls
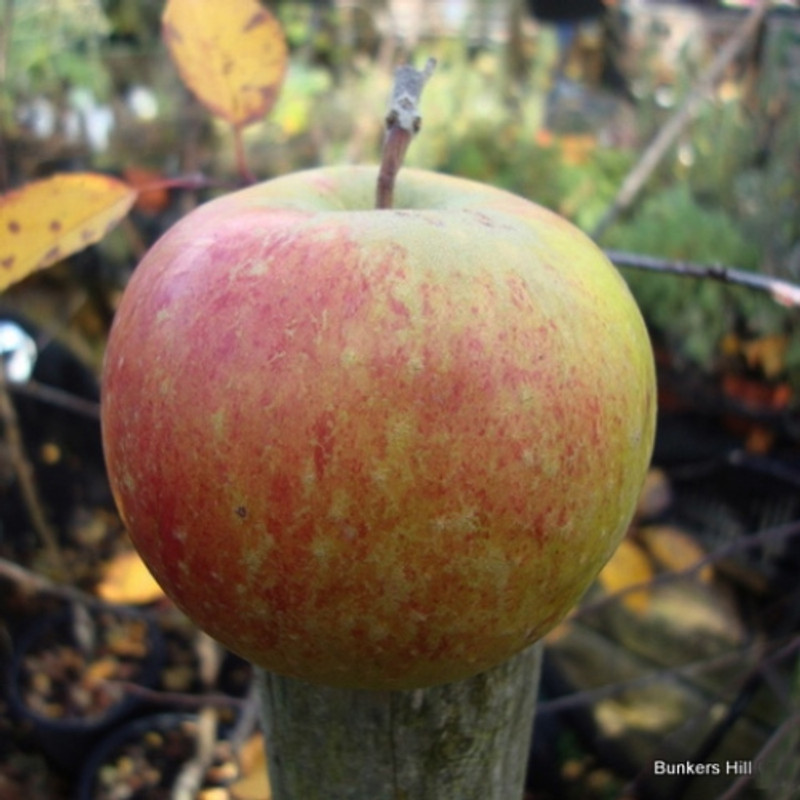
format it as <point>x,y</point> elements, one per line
<point>461,741</point>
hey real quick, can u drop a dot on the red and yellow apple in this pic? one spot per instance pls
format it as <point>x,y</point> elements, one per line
<point>376,448</point>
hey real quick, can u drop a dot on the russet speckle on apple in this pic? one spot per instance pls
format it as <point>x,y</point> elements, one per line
<point>372,448</point>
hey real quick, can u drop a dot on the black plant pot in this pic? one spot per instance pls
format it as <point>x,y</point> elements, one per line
<point>143,758</point>
<point>58,687</point>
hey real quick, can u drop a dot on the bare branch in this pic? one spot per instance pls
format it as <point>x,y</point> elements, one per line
<point>671,130</point>
<point>788,727</point>
<point>769,536</point>
<point>31,583</point>
<point>27,479</point>
<point>585,697</point>
<point>734,657</point>
<point>57,397</point>
<point>186,700</point>
<point>783,292</point>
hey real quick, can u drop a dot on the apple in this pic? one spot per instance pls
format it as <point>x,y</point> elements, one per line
<point>371,448</point>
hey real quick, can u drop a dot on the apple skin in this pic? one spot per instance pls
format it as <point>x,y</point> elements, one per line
<point>376,449</point>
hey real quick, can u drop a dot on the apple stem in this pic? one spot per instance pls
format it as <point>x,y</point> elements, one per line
<point>402,122</point>
<point>245,172</point>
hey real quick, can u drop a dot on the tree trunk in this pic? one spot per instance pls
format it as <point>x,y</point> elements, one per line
<point>461,741</point>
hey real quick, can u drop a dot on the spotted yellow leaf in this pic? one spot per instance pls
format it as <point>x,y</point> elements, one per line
<point>47,220</point>
<point>232,55</point>
<point>629,566</point>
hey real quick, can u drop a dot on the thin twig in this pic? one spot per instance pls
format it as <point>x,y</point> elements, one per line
<point>744,697</point>
<point>31,583</point>
<point>209,657</point>
<point>585,697</point>
<point>191,181</point>
<point>26,479</point>
<point>787,727</point>
<point>783,292</point>
<point>768,536</point>
<point>670,131</point>
<point>402,122</point>
<point>247,721</point>
<point>185,700</point>
<point>190,778</point>
<point>57,397</point>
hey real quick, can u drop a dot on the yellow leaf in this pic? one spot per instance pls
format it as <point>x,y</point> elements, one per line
<point>47,220</point>
<point>628,567</point>
<point>768,352</point>
<point>127,580</point>
<point>232,55</point>
<point>674,550</point>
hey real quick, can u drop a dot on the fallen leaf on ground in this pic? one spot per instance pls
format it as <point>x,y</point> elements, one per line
<point>674,549</point>
<point>254,783</point>
<point>127,580</point>
<point>629,566</point>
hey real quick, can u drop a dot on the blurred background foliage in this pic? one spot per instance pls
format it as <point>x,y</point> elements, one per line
<point>86,84</point>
